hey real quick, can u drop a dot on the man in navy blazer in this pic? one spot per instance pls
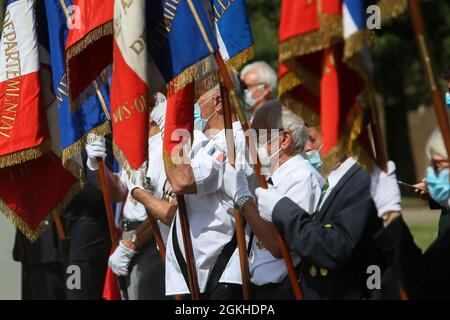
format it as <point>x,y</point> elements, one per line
<point>336,243</point>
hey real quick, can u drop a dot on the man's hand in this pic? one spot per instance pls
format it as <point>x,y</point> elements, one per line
<point>120,260</point>
<point>135,180</point>
<point>235,183</point>
<point>95,148</point>
<point>267,199</point>
<point>422,190</point>
<point>385,191</point>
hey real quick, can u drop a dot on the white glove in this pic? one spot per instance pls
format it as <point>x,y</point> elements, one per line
<point>95,148</point>
<point>267,199</point>
<point>135,180</point>
<point>385,191</point>
<point>235,183</point>
<point>120,260</point>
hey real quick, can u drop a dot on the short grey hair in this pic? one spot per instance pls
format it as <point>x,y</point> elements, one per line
<point>265,73</point>
<point>288,120</point>
<point>436,145</point>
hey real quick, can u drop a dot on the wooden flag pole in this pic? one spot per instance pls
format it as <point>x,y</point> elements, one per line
<point>110,217</point>
<point>433,81</point>
<point>188,250</point>
<point>239,219</point>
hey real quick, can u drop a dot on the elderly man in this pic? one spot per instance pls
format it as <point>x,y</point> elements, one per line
<point>335,244</point>
<point>283,136</point>
<point>209,206</point>
<point>260,82</point>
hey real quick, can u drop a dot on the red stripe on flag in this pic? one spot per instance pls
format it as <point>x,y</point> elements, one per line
<point>22,120</point>
<point>130,105</point>
<point>179,117</point>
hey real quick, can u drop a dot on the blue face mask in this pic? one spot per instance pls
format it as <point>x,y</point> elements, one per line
<point>314,159</point>
<point>438,186</point>
<point>199,122</point>
<point>447,100</point>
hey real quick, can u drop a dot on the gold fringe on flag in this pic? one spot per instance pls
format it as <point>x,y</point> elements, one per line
<point>241,58</point>
<point>104,30</point>
<point>34,234</point>
<point>76,148</point>
<point>21,156</point>
<point>330,32</point>
<point>361,39</point>
<point>120,157</point>
<point>195,72</point>
<point>391,8</point>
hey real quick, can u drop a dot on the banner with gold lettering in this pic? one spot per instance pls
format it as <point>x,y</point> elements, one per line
<point>89,43</point>
<point>23,129</point>
<point>234,33</point>
<point>130,96</point>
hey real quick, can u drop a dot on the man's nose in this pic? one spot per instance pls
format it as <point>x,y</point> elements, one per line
<point>308,147</point>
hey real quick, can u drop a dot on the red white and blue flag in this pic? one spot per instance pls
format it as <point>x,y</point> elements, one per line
<point>23,129</point>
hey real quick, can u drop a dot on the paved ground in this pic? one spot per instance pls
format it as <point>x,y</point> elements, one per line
<point>9,270</point>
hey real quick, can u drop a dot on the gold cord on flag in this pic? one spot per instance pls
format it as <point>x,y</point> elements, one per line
<point>21,156</point>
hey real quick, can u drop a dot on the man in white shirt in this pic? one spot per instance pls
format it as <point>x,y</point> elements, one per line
<point>282,137</point>
<point>336,243</point>
<point>209,208</point>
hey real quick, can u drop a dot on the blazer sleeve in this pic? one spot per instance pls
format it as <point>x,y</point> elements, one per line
<point>327,244</point>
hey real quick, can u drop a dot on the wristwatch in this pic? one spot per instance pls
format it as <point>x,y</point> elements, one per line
<point>134,240</point>
<point>239,205</point>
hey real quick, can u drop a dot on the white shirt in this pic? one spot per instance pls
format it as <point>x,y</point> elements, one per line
<point>210,215</point>
<point>336,175</point>
<point>299,181</point>
<point>157,174</point>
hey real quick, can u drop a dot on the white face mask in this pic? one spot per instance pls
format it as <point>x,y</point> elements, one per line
<point>248,97</point>
<point>267,162</point>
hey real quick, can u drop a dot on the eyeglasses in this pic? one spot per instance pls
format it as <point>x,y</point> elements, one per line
<point>438,165</point>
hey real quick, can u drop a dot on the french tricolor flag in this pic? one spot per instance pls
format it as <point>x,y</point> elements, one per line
<point>22,120</point>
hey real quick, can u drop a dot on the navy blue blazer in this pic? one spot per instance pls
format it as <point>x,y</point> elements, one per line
<point>336,245</point>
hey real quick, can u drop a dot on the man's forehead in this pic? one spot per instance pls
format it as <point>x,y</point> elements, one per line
<point>251,78</point>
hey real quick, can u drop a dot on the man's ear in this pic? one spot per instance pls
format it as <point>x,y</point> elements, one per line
<point>218,103</point>
<point>266,90</point>
<point>286,140</point>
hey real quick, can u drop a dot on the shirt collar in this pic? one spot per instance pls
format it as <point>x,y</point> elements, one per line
<point>282,171</point>
<point>339,172</point>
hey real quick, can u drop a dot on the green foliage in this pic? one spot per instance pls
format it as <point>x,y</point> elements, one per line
<point>264,18</point>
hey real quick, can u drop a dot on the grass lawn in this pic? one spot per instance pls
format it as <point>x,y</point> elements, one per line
<point>424,234</point>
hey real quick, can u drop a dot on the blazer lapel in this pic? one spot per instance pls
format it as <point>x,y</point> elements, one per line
<point>337,188</point>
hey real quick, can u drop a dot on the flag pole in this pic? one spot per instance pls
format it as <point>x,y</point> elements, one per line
<point>433,81</point>
<point>239,219</point>
<point>285,251</point>
<point>188,250</point>
<point>110,217</point>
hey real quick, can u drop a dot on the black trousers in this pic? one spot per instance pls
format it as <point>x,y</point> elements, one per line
<point>226,291</point>
<point>92,280</point>
<point>273,291</point>
<point>43,281</point>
